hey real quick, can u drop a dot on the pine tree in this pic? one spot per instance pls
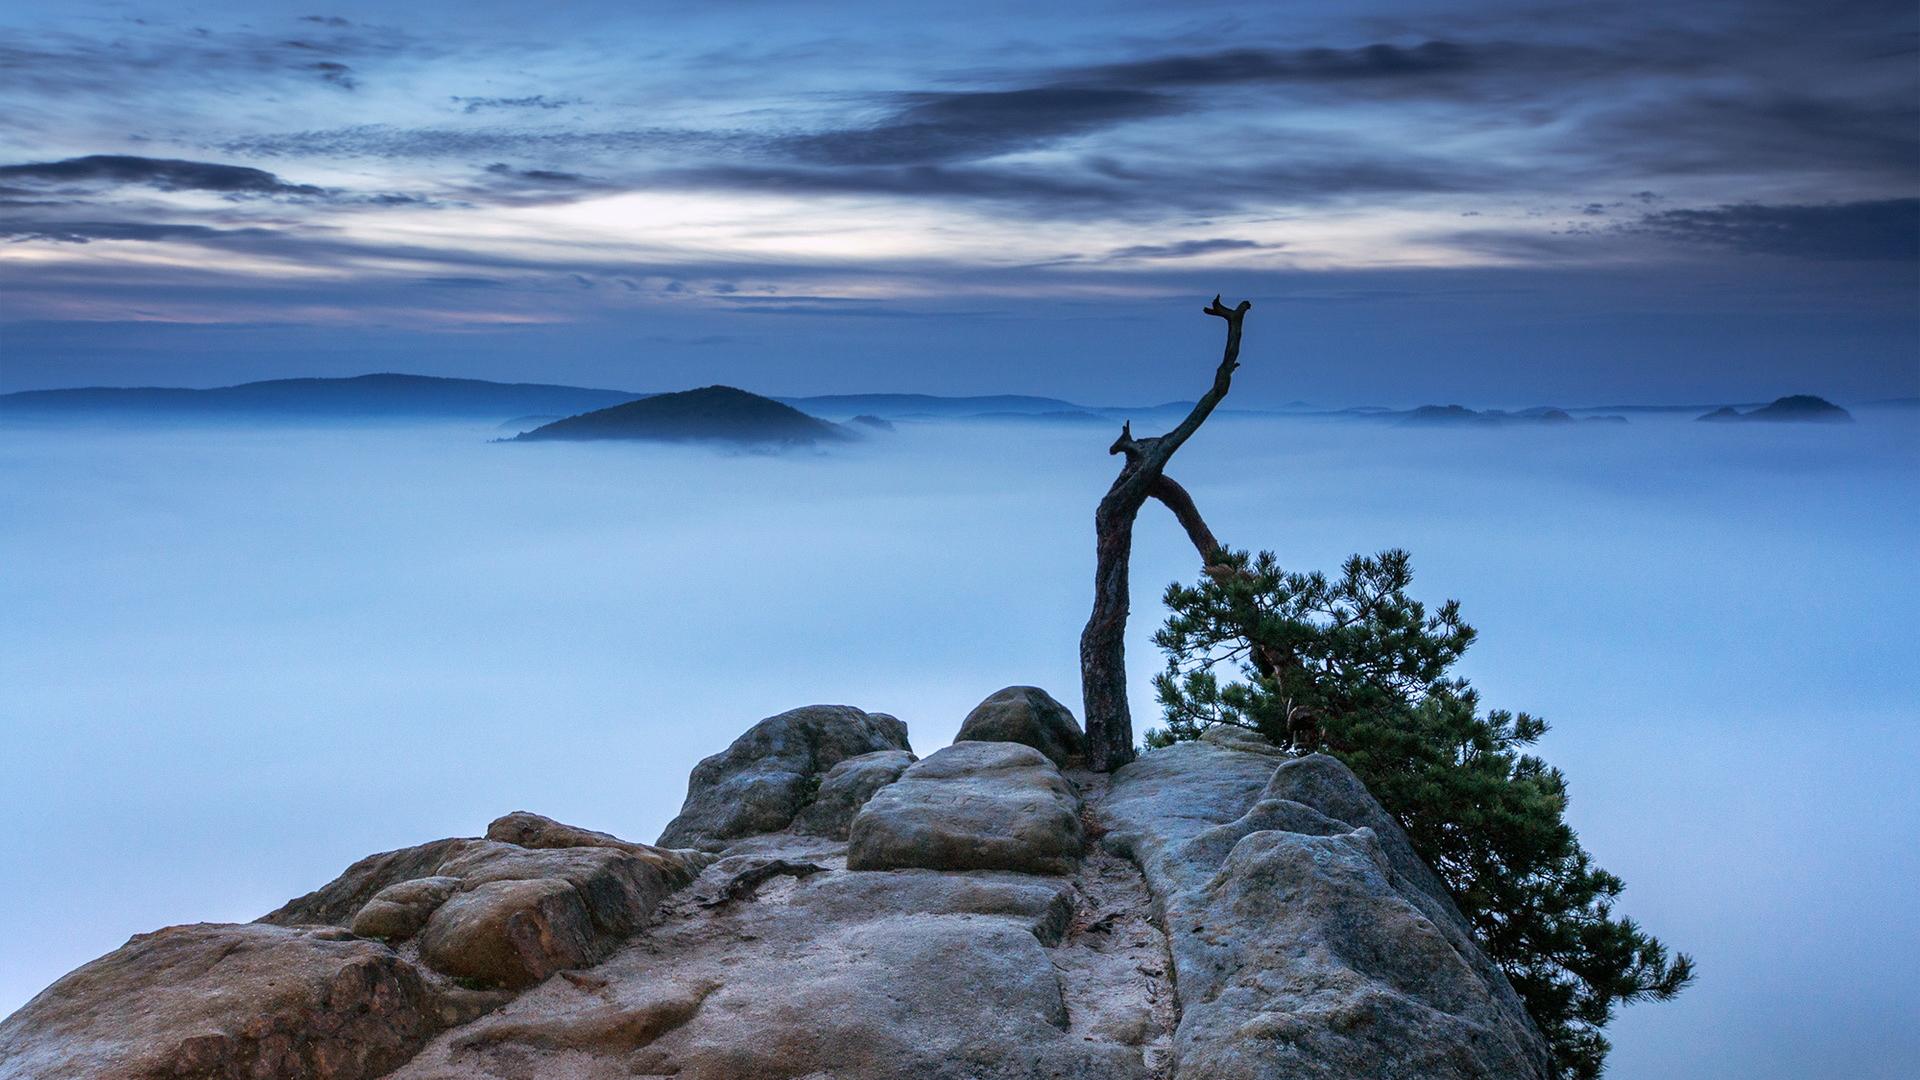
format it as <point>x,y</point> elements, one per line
<point>1355,667</point>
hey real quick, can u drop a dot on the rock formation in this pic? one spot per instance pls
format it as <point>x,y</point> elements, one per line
<point>827,906</point>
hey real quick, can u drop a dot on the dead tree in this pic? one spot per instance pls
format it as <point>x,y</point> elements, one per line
<point>1103,645</point>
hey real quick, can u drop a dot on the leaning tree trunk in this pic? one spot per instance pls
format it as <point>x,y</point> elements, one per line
<point>1103,644</point>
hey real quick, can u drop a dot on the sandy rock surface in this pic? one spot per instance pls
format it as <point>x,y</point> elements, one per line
<point>828,907</point>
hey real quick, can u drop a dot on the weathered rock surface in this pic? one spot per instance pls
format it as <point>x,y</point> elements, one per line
<point>1308,940</point>
<point>762,782</point>
<point>1029,715</point>
<point>972,806</point>
<point>846,788</point>
<point>349,980</point>
<point>226,1001</point>
<point>398,911</point>
<point>941,919</point>
<point>502,912</point>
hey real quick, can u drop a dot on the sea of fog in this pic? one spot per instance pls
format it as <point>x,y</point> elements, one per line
<point>233,660</point>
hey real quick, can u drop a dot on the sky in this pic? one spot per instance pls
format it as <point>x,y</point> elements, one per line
<point>1478,201</point>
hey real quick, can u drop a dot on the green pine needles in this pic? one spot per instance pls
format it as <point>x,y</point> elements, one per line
<point>1355,667</point>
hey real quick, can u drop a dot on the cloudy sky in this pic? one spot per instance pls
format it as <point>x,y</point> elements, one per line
<point>1471,200</point>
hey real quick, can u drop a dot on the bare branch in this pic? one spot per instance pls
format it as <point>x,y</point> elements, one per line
<point>1176,499</point>
<point>1222,380</point>
<point>1103,643</point>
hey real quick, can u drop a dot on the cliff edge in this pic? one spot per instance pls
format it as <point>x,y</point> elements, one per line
<point>827,905</point>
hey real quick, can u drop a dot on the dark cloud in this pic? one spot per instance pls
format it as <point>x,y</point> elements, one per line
<point>1092,188</point>
<point>167,174</point>
<point>1883,229</point>
<point>388,141</point>
<point>458,282</point>
<point>1231,66</point>
<point>535,101</point>
<point>1760,130</point>
<point>949,127</point>
<point>336,73</point>
<point>539,176</point>
<point>1184,249</point>
<point>165,60</point>
<point>1036,188</point>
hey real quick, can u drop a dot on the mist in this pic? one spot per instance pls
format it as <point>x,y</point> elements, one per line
<point>238,658</point>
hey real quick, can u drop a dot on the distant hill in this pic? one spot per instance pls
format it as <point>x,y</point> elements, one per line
<point>1794,409</point>
<point>711,414</point>
<point>1457,415</point>
<point>382,395</point>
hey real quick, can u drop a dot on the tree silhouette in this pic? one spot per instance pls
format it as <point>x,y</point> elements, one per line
<point>1103,655</point>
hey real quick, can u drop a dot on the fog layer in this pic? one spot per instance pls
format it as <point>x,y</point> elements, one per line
<point>234,660</point>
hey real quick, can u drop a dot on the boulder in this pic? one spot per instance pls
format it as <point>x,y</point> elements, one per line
<point>762,781</point>
<point>336,903</point>
<point>529,830</point>
<point>1027,715</point>
<point>398,911</point>
<point>1308,940</point>
<point>972,806</point>
<point>500,913</point>
<point>511,933</point>
<point>846,788</point>
<point>226,1002</point>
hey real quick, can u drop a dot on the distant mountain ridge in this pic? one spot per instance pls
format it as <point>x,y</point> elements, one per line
<point>394,395</point>
<point>375,395</point>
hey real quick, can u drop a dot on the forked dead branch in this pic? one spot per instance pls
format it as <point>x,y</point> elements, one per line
<point>1103,660</point>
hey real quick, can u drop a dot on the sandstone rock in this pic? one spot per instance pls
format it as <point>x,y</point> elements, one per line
<point>846,788</point>
<point>336,903</point>
<point>759,784</point>
<point>510,933</point>
<point>1042,905</point>
<point>844,974</point>
<point>1301,948</point>
<point>225,1002</point>
<point>530,830</point>
<point>499,913</point>
<point>1027,715</point>
<point>972,806</point>
<point>398,911</point>
<point>1230,737</point>
<point>1248,915</point>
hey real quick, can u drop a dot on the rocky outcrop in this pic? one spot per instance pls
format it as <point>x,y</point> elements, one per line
<point>502,912</point>
<point>349,980</point>
<point>227,1002</point>
<point>1308,939</point>
<point>858,915</point>
<point>972,806</point>
<point>1029,715</point>
<point>846,788</point>
<point>762,782</point>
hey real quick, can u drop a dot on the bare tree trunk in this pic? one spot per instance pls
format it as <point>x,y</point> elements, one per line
<point>1103,645</point>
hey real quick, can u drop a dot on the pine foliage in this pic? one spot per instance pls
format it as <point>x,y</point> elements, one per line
<point>1355,667</point>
